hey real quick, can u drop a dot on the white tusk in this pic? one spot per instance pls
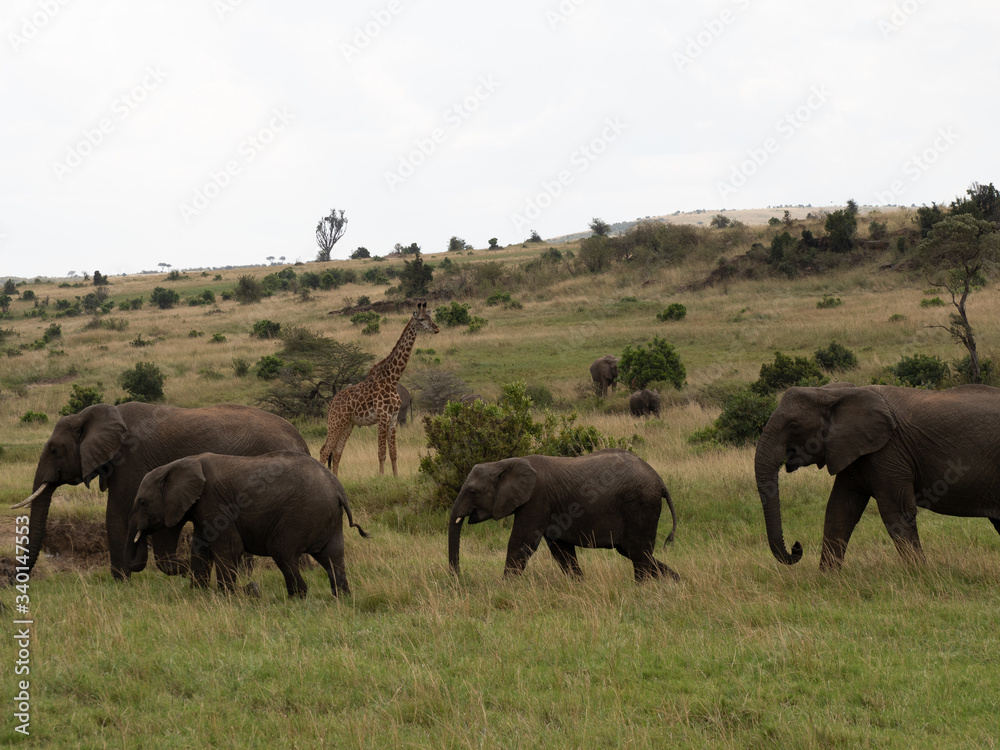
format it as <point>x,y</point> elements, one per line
<point>37,492</point>
<point>137,535</point>
<point>459,519</point>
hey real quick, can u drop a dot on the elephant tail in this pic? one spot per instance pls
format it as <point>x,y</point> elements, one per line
<point>350,518</point>
<point>673,516</point>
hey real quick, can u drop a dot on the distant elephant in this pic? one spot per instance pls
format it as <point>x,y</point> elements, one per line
<point>644,402</point>
<point>908,448</point>
<point>604,373</point>
<point>406,404</point>
<point>282,505</point>
<point>120,444</point>
<point>606,499</point>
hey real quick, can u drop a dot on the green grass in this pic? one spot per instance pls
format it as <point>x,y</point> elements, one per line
<point>743,652</point>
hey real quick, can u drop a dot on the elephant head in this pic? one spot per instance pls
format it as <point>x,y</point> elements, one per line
<point>165,496</point>
<point>831,426</point>
<point>645,401</point>
<point>492,490</point>
<point>82,446</point>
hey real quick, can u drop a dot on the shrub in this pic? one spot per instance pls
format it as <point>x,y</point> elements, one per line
<point>218,338</point>
<point>29,295</point>
<point>742,421</point>
<point>371,329</point>
<point>897,318</point>
<point>140,342</point>
<point>248,290</point>
<point>836,357</point>
<point>987,372</point>
<point>376,276</point>
<point>54,331</point>
<point>331,279</point>
<point>504,299</point>
<point>932,302</point>
<point>878,230</point>
<point>266,329</point>
<point>675,311</point>
<point>81,398</point>
<point>195,333</point>
<point>655,360</point>
<point>828,302</point>
<point>144,382</point>
<point>268,366</point>
<point>363,299</point>
<point>456,314</point>
<point>241,367</point>
<point>30,417</point>
<point>540,396</point>
<point>784,372</point>
<point>361,252</point>
<point>132,304</point>
<point>164,298</point>
<point>366,318</point>
<point>921,371</point>
<point>477,324</point>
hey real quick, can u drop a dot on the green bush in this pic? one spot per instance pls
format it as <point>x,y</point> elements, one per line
<point>932,302</point>
<point>675,311</point>
<point>30,417</point>
<point>655,360</point>
<point>144,382</point>
<point>784,372</point>
<point>828,302</point>
<point>248,290</point>
<point>331,279</point>
<point>82,397</point>
<point>742,421</point>
<point>541,397</point>
<point>266,329</point>
<point>371,329</point>
<point>366,318</point>
<point>504,299</point>
<point>477,324</point>
<point>987,372</point>
<point>836,357</point>
<point>456,314</point>
<point>921,371</point>
<point>269,366</point>
<point>164,298</point>
<point>217,338</point>
<point>376,276</point>
<point>241,367</point>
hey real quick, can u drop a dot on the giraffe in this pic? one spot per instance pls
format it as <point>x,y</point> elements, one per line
<point>374,400</point>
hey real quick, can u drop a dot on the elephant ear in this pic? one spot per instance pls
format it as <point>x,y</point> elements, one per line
<point>102,434</point>
<point>183,483</point>
<point>860,423</point>
<point>515,483</point>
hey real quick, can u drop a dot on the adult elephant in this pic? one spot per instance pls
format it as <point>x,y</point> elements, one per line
<point>644,402</point>
<point>604,373</point>
<point>905,447</point>
<point>118,444</point>
<point>406,404</point>
<point>607,499</point>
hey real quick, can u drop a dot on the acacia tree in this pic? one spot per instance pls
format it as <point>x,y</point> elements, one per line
<point>959,251</point>
<point>329,230</point>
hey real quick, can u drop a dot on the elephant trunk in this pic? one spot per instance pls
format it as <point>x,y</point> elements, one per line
<point>767,463</point>
<point>454,540</point>
<point>40,501</point>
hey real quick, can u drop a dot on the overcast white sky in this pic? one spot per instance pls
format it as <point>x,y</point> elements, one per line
<point>216,132</point>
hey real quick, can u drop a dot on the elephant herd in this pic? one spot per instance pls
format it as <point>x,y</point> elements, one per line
<point>245,478</point>
<point>604,373</point>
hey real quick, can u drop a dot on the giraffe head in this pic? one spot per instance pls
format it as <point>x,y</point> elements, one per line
<point>423,318</point>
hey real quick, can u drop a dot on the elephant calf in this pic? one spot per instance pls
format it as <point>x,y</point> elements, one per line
<point>607,499</point>
<point>282,505</point>
<point>644,402</point>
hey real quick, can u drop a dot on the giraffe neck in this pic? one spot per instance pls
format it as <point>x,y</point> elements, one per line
<point>391,368</point>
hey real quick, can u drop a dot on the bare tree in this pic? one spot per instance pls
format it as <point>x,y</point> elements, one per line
<point>330,229</point>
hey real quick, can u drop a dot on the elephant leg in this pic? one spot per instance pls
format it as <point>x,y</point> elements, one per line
<point>899,514</point>
<point>331,557</point>
<point>165,549</point>
<point>843,511</point>
<point>289,567</point>
<point>225,572</point>
<point>117,528</point>
<point>565,555</point>
<point>201,562</point>
<point>665,571</point>
<point>524,540</point>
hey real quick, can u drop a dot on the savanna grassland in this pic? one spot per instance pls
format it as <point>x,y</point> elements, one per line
<point>743,652</point>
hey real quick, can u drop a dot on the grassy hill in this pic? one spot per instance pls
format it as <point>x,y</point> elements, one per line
<point>742,652</point>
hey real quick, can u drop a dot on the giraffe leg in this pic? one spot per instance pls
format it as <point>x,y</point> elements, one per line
<point>383,434</point>
<point>336,438</point>
<point>392,443</point>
